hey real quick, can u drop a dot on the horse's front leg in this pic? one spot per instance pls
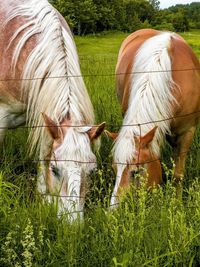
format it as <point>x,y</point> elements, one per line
<point>181,149</point>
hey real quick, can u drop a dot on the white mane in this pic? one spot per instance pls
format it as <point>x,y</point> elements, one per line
<point>53,56</point>
<point>150,99</point>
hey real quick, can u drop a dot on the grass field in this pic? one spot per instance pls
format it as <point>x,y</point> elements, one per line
<point>148,228</point>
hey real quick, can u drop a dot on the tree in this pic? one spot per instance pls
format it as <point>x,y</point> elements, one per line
<point>132,17</point>
<point>192,13</point>
<point>85,14</point>
<point>106,14</point>
<point>81,15</point>
<point>155,4</point>
<point>180,21</point>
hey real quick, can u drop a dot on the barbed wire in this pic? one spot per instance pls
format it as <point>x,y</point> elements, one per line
<point>52,195</point>
<point>111,125</point>
<point>94,162</point>
<point>83,162</point>
<point>96,125</point>
<point>90,162</point>
<point>83,125</point>
<point>80,197</point>
<point>97,75</point>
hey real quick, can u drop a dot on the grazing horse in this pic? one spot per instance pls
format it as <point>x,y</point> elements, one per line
<point>41,85</point>
<point>158,86</point>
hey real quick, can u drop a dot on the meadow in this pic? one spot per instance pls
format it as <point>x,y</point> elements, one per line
<point>148,229</point>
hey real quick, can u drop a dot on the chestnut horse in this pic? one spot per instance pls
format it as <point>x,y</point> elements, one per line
<point>157,78</point>
<point>41,84</point>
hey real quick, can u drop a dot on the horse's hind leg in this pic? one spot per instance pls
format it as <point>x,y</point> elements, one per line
<point>183,143</point>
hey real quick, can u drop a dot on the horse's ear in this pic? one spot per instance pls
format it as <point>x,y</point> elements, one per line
<point>52,127</point>
<point>96,131</point>
<point>112,135</point>
<point>147,138</point>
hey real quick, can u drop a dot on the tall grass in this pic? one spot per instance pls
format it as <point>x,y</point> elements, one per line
<point>148,228</point>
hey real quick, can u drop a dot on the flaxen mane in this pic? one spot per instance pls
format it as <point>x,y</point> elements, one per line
<point>52,81</point>
<point>151,97</point>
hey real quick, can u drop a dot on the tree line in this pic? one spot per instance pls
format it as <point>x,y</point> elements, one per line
<point>93,16</point>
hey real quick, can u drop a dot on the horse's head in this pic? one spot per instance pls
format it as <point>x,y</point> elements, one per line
<point>143,162</point>
<point>71,159</point>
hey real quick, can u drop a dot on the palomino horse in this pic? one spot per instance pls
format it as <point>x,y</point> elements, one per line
<point>41,82</point>
<point>158,78</point>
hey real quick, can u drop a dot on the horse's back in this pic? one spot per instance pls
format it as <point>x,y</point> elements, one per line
<point>10,37</point>
<point>186,75</point>
<point>185,72</point>
<point>25,29</point>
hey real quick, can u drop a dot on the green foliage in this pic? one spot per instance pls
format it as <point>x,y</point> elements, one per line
<point>191,12</point>
<point>93,16</point>
<point>180,22</point>
<point>183,17</point>
<point>97,16</point>
<point>147,229</point>
<point>174,21</point>
<point>81,15</point>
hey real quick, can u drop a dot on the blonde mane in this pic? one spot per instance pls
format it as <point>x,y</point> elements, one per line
<point>52,78</point>
<point>151,97</point>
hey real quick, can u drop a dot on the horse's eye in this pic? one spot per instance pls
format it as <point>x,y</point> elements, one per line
<point>55,170</point>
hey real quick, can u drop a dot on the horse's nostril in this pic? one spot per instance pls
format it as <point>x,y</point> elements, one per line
<point>134,173</point>
<point>55,171</point>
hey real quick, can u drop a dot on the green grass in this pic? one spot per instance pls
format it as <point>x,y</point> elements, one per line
<point>106,45</point>
<point>148,229</point>
<point>193,39</point>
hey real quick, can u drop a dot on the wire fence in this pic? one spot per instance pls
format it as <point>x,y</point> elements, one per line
<point>195,113</point>
<point>98,75</point>
<point>156,122</point>
<point>90,162</point>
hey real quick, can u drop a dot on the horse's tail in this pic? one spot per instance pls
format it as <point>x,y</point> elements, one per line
<point>152,85</point>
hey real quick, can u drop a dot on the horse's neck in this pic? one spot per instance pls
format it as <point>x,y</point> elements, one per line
<point>151,89</point>
<point>50,71</point>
